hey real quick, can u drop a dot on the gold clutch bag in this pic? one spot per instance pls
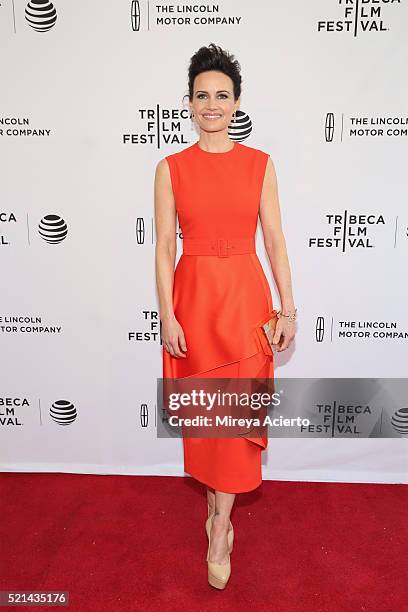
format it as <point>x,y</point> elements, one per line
<point>265,331</point>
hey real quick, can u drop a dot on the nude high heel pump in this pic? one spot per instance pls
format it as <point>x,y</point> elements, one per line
<point>230,532</point>
<point>218,573</point>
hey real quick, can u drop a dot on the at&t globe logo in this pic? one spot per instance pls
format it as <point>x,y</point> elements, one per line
<point>41,15</point>
<point>63,412</point>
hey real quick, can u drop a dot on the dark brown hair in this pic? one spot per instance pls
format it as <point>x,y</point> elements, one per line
<point>214,58</point>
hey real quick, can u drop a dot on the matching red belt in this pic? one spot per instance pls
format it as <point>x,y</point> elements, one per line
<point>222,247</point>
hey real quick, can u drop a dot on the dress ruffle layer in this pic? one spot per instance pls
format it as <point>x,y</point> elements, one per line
<point>218,314</point>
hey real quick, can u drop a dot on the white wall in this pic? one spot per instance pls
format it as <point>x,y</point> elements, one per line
<point>82,106</point>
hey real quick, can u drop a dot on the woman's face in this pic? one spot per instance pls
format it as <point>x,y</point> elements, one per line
<point>213,101</point>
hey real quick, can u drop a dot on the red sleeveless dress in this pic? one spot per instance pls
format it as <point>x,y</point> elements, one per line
<point>220,293</point>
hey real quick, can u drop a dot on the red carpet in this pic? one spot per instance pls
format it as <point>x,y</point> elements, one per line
<point>138,543</point>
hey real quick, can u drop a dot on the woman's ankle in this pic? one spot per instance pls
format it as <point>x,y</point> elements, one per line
<point>221,521</point>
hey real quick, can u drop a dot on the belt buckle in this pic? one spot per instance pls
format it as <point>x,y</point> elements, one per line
<point>222,247</point>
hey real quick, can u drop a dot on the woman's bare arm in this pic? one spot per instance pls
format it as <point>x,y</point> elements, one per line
<point>165,221</point>
<point>165,257</point>
<point>275,244</point>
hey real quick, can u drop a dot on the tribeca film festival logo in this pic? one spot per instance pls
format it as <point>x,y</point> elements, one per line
<point>356,420</point>
<point>19,411</point>
<point>365,127</point>
<point>159,14</point>
<point>12,411</point>
<point>349,231</point>
<point>52,228</point>
<point>167,126</point>
<point>151,328</point>
<point>359,17</point>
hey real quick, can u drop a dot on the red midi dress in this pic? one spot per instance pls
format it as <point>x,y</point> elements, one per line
<point>220,292</point>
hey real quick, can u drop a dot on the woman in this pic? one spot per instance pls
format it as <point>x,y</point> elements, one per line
<point>218,292</point>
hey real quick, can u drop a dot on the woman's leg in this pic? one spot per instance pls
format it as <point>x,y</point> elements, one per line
<point>220,526</point>
<point>211,500</point>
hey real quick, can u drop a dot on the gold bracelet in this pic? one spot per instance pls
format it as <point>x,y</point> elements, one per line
<point>291,316</point>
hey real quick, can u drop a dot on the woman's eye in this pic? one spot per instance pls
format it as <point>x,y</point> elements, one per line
<point>199,96</point>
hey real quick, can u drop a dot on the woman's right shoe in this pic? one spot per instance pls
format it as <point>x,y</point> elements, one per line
<point>218,573</point>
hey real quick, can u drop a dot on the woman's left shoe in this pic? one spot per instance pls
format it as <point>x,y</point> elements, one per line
<point>218,573</point>
<point>230,535</point>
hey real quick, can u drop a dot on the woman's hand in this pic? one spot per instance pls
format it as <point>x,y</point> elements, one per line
<point>284,333</point>
<point>173,337</point>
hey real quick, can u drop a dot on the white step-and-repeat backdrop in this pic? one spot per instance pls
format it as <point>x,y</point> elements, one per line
<point>92,96</point>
